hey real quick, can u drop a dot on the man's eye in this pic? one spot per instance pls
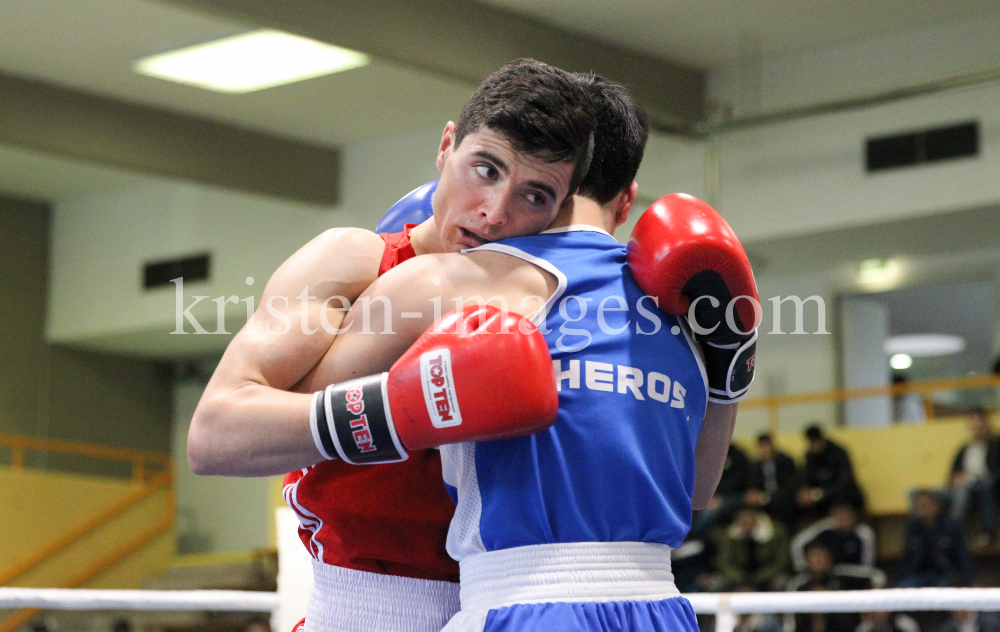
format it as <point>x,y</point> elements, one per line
<point>535,199</point>
<point>486,171</point>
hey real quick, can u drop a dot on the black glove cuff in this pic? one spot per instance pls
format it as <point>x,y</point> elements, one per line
<point>730,369</point>
<point>352,421</point>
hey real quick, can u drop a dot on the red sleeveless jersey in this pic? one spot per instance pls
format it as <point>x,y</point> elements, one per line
<point>390,519</point>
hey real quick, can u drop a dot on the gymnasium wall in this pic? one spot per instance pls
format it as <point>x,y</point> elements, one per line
<point>55,392</point>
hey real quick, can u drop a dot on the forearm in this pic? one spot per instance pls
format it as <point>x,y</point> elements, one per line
<point>710,453</point>
<point>253,430</point>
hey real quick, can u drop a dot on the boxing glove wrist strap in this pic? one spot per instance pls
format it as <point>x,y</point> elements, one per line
<point>352,421</point>
<point>730,369</point>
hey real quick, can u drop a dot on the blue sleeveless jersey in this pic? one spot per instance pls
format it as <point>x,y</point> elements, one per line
<point>618,465</point>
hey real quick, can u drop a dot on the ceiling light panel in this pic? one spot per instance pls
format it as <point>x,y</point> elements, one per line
<point>251,61</point>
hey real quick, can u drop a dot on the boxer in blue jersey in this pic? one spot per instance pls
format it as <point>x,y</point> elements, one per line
<point>571,528</point>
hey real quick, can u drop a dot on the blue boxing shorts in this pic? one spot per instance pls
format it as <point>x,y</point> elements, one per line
<point>574,587</point>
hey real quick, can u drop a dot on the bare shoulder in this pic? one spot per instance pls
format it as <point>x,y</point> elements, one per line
<point>338,261</point>
<point>512,273</point>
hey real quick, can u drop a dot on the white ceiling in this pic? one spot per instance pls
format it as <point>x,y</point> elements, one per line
<point>707,34</point>
<point>90,45</point>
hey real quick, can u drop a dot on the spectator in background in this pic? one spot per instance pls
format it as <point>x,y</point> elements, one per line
<point>908,408</point>
<point>888,622</point>
<point>693,568</point>
<point>974,474</point>
<point>934,551</point>
<point>773,480</point>
<point>969,621</point>
<point>828,477</point>
<point>728,495</point>
<point>820,574</point>
<point>258,624</point>
<point>753,553</point>
<point>852,542</point>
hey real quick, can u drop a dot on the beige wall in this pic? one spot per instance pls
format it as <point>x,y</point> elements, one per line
<point>60,393</point>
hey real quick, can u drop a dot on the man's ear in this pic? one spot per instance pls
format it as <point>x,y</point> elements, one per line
<point>625,201</point>
<point>447,143</point>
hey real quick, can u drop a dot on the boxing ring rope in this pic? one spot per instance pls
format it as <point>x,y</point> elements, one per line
<point>84,599</point>
<point>725,606</point>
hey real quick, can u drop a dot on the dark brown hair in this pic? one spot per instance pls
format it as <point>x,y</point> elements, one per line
<point>539,109</point>
<point>619,139</point>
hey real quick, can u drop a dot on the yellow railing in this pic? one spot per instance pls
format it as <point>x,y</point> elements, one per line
<point>152,473</point>
<point>143,463</point>
<point>774,403</point>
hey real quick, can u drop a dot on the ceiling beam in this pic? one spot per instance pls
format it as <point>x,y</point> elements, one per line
<point>468,41</point>
<point>42,117</point>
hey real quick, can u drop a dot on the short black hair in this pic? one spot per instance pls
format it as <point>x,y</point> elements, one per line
<point>818,544</point>
<point>814,433</point>
<point>539,109</point>
<point>619,140</point>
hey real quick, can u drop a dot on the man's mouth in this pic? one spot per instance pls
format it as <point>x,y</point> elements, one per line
<point>471,239</point>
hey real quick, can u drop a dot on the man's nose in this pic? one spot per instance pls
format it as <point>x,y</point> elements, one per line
<point>496,207</point>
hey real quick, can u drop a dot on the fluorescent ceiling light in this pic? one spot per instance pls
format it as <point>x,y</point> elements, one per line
<point>251,61</point>
<point>901,361</point>
<point>924,345</point>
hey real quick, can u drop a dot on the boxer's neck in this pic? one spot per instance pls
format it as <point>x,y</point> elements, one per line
<point>425,238</point>
<point>580,210</point>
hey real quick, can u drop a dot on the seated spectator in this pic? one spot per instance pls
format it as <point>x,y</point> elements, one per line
<point>692,567</point>
<point>773,479</point>
<point>828,477</point>
<point>820,574</point>
<point>974,473</point>
<point>934,551</point>
<point>851,542</point>
<point>753,553</point>
<point>888,622</point>
<point>968,621</point>
<point>728,495</point>
<point>908,408</point>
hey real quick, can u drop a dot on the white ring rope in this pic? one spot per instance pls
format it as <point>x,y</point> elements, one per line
<point>894,599</point>
<point>81,599</point>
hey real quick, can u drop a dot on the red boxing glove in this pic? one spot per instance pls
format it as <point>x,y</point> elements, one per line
<point>473,376</point>
<point>683,253</point>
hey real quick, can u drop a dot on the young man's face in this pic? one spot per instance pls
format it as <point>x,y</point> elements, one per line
<point>490,191</point>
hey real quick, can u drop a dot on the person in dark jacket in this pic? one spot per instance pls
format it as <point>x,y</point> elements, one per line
<point>753,552</point>
<point>828,477</point>
<point>773,480</point>
<point>974,474</point>
<point>821,574</point>
<point>728,495</point>
<point>935,553</point>
<point>851,541</point>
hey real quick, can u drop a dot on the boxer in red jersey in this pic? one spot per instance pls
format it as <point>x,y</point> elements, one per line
<point>520,148</point>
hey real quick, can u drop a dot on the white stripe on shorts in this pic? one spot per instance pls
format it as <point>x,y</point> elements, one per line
<point>571,572</point>
<point>347,600</point>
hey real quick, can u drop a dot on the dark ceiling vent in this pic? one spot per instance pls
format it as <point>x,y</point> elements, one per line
<point>160,273</point>
<point>916,148</point>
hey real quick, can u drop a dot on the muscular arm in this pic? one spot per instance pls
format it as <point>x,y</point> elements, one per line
<point>710,455</point>
<point>249,422</point>
<point>413,288</point>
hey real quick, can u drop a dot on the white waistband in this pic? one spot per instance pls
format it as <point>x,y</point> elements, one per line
<point>346,600</point>
<point>581,571</point>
